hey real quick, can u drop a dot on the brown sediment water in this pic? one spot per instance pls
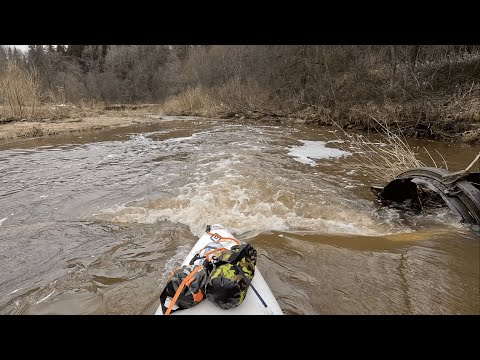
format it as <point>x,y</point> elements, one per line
<point>93,223</point>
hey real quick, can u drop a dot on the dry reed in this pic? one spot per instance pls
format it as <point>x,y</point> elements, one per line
<point>383,160</point>
<point>19,92</point>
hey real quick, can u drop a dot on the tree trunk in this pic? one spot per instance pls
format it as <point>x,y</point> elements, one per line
<point>393,54</point>
<point>303,78</point>
<point>330,81</point>
<point>414,55</point>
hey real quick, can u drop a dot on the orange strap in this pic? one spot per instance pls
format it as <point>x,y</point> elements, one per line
<point>180,288</point>
<point>214,251</point>
<point>223,238</point>
<point>209,244</point>
<point>198,296</point>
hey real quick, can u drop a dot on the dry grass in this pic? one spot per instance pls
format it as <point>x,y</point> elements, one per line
<point>129,110</point>
<point>46,112</point>
<point>19,92</point>
<point>122,107</point>
<point>193,101</point>
<point>451,117</point>
<point>472,136</point>
<point>20,97</point>
<point>385,159</point>
<point>231,97</point>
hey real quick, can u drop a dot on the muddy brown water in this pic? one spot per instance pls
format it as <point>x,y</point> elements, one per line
<point>92,223</point>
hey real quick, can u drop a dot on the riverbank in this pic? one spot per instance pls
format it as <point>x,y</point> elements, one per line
<point>443,118</point>
<point>425,92</point>
<point>461,124</point>
<point>76,121</point>
<point>431,100</point>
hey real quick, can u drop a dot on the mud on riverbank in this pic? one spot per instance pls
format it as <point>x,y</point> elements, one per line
<point>76,121</point>
<point>448,116</point>
<point>408,119</point>
<point>462,124</point>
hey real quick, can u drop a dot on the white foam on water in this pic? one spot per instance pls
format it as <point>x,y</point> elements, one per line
<point>45,298</point>
<point>179,139</point>
<point>222,189</point>
<point>241,210</point>
<point>314,150</point>
<point>2,220</point>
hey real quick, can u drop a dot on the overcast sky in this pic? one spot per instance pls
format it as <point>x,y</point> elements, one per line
<point>19,47</point>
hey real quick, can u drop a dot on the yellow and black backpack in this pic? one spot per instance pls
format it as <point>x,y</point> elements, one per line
<point>221,275</point>
<point>231,275</point>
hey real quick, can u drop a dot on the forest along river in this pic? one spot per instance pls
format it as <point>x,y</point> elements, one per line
<point>93,223</point>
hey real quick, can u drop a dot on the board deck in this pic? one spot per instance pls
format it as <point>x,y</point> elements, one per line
<point>251,305</point>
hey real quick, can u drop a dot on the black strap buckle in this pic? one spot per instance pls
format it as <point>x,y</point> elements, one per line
<point>196,257</point>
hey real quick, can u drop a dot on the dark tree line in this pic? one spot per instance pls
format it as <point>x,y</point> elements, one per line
<point>281,76</point>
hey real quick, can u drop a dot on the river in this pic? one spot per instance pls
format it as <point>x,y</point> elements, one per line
<point>92,223</point>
